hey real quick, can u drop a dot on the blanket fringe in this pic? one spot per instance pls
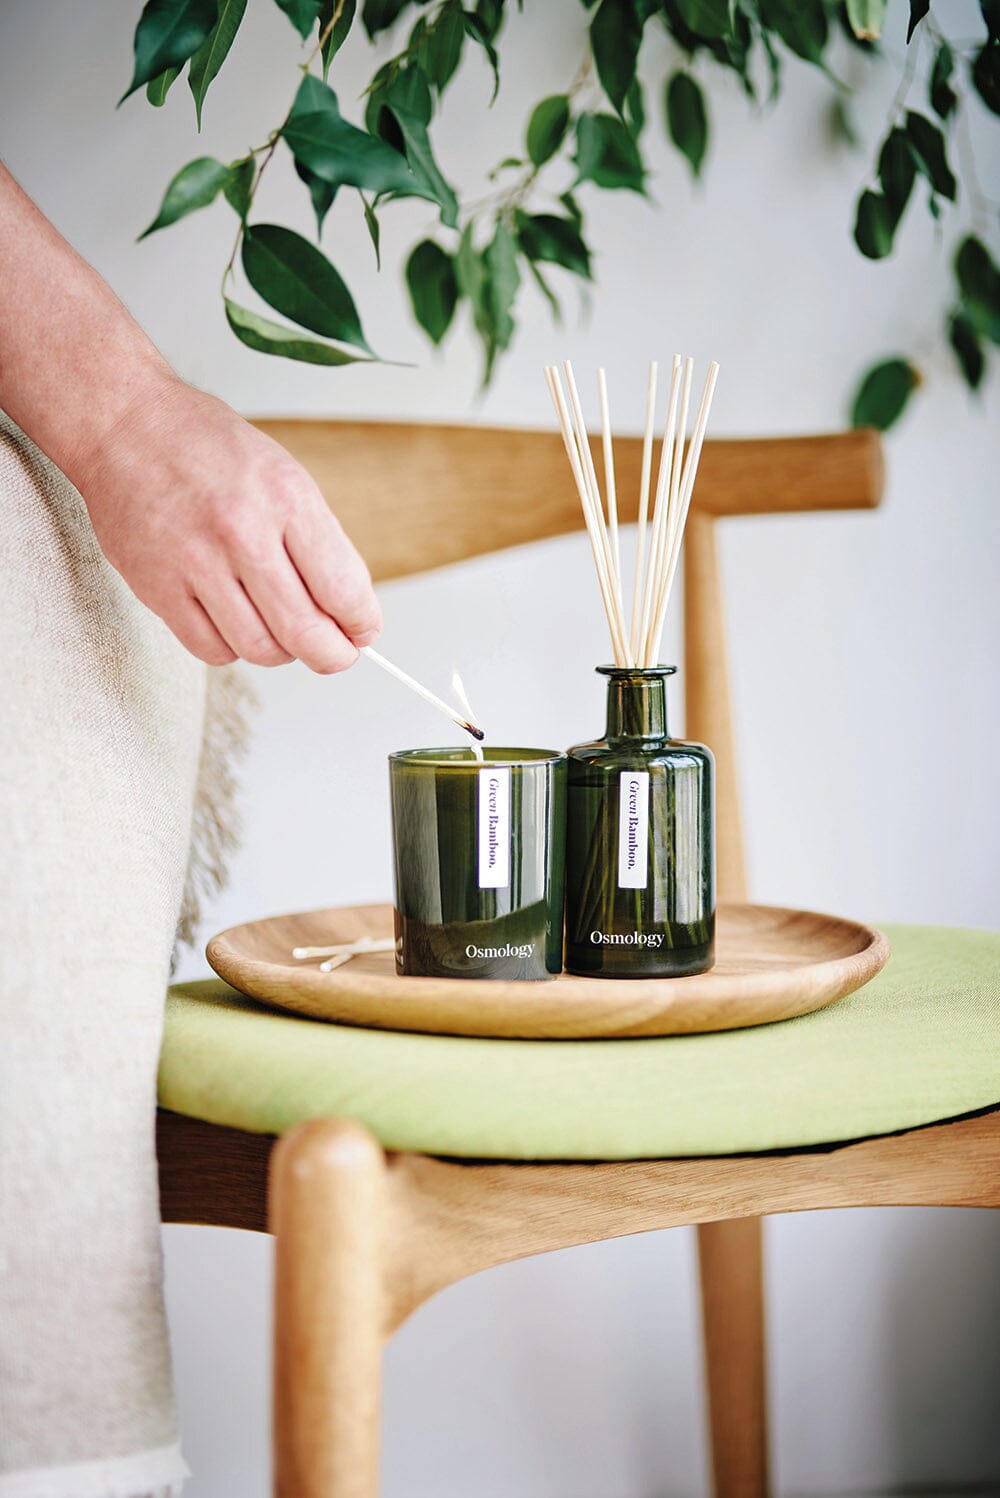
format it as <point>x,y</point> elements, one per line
<point>216,826</point>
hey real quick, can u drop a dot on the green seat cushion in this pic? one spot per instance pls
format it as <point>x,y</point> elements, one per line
<point>918,1043</point>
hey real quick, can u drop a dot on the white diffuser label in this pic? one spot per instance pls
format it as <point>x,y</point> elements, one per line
<point>494,827</point>
<point>633,828</point>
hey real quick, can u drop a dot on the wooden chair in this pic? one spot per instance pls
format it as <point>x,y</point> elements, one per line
<point>365,1236</point>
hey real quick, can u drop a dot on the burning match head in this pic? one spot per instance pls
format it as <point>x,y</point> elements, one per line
<point>477,733</point>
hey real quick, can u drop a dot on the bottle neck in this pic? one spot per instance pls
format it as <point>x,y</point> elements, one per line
<point>637,706</point>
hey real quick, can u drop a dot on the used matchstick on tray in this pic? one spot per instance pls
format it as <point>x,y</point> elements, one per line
<point>659,535</point>
<point>342,951</point>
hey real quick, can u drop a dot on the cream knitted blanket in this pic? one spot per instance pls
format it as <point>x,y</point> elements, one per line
<point>101,729</point>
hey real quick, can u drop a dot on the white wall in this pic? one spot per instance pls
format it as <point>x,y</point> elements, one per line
<point>864,653</point>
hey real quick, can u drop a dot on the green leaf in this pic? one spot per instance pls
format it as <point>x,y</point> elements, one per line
<point>708,18</point>
<point>737,51</point>
<point>547,293</point>
<point>883,394</point>
<point>942,96</point>
<point>968,350</point>
<point>158,88</point>
<point>687,120</point>
<point>986,75</point>
<point>303,14</point>
<point>489,14</point>
<point>338,35</point>
<point>500,259</point>
<point>979,282</point>
<point>409,89</point>
<point>296,279</point>
<point>473,284</point>
<point>615,38</point>
<point>470,271</point>
<point>842,124</point>
<point>268,337</point>
<point>341,154</point>
<point>430,277</point>
<point>866,18</point>
<point>606,153</point>
<point>773,64</point>
<point>897,169</point>
<point>374,231</point>
<point>168,33</point>
<point>801,24</point>
<point>426,171</point>
<point>379,15</point>
<point>928,148</point>
<point>237,189</point>
<point>321,194</point>
<point>479,32</point>
<point>635,109</point>
<point>918,9</point>
<point>194,186</point>
<point>441,51</point>
<point>572,207</point>
<point>547,128</point>
<point>214,50</point>
<point>874,226</point>
<point>544,236</point>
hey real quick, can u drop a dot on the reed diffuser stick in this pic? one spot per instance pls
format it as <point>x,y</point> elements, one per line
<point>609,480</point>
<point>590,472</point>
<point>686,491</point>
<point>676,526</point>
<point>593,521</point>
<point>619,640</point>
<point>414,686</point>
<point>657,563</point>
<point>640,543</point>
<point>659,537</point>
<point>661,502</point>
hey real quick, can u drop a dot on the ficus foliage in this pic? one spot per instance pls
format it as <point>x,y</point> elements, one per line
<point>590,136</point>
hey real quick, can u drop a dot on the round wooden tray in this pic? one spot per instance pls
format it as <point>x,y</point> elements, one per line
<point>771,964</point>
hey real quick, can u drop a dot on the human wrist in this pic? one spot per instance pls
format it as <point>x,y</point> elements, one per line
<point>134,381</point>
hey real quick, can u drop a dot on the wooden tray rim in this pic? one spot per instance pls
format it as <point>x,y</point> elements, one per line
<point>719,1000</point>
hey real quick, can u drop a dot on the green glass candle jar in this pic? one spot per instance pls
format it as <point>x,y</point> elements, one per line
<point>478,851</point>
<point>640,858</point>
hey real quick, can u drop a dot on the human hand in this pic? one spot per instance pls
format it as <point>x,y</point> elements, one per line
<point>220,532</point>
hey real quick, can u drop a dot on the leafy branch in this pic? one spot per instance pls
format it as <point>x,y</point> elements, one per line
<point>589,137</point>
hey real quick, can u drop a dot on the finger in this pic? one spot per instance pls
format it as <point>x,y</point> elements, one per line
<point>334,573</point>
<point>198,634</point>
<point>291,615</point>
<point>239,623</point>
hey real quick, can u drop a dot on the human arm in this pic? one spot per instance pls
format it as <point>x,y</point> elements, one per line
<point>213,526</point>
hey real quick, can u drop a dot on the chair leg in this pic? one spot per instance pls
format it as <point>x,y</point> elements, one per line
<point>327,1178</point>
<point>732,1301</point>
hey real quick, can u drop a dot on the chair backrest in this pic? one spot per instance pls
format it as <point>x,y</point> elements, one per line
<point>413,497</point>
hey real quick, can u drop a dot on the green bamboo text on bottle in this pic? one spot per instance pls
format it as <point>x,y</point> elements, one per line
<point>640,858</point>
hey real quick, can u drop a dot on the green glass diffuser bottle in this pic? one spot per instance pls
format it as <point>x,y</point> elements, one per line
<point>640,864</point>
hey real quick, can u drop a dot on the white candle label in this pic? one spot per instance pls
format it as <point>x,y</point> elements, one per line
<point>633,828</point>
<point>494,827</point>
